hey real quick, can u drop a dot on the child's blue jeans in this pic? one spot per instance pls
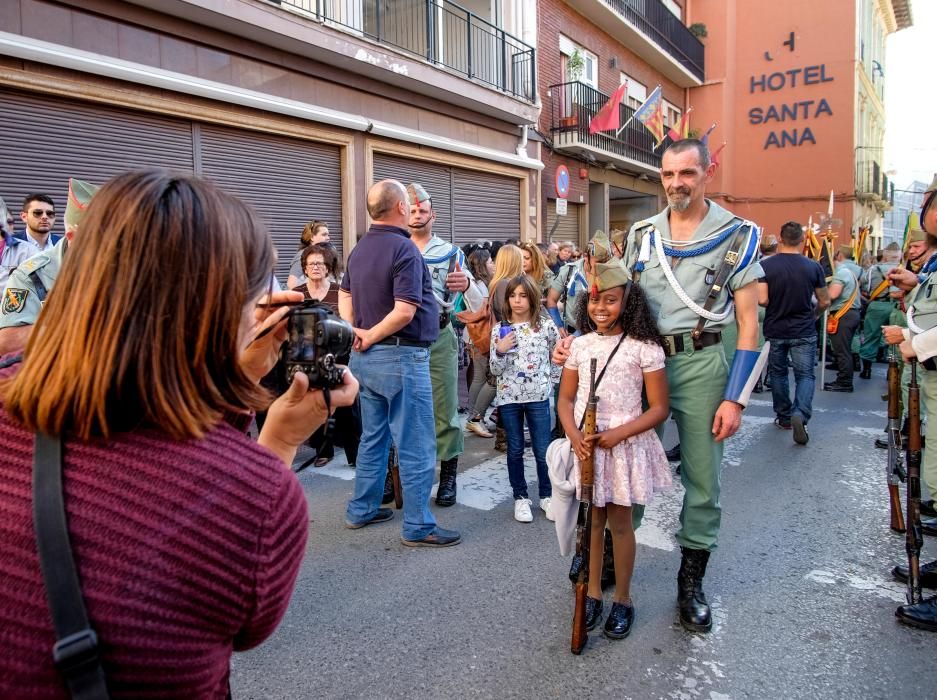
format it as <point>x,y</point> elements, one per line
<point>538,423</point>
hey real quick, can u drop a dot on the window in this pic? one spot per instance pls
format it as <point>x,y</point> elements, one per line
<point>671,114</point>
<point>589,74</point>
<point>637,92</point>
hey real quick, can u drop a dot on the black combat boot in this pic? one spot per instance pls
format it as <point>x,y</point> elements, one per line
<point>922,615</point>
<point>695,614</point>
<point>866,372</point>
<point>445,494</point>
<point>608,564</point>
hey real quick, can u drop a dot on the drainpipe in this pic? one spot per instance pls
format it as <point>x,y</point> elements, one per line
<point>522,144</point>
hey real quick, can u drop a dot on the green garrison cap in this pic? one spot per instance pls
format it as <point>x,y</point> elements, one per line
<point>607,275</point>
<point>915,233</point>
<point>618,236</point>
<point>79,195</point>
<point>600,248</point>
<point>416,193</point>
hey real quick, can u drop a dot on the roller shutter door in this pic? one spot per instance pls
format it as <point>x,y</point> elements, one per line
<point>485,206</point>
<point>567,229</point>
<point>435,178</point>
<point>45,140</point>
<point>289,182</point>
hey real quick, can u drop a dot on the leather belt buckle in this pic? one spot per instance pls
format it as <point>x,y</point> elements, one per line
<point>670,348</point>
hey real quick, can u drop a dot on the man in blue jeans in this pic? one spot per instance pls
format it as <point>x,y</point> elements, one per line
<point>787,292</point>
<point>387,295</point>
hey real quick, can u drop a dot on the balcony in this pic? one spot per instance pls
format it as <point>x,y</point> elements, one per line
<point>873,186</point>
<point>573,105</point>
<point>438,31</point>
<point>653,32</point>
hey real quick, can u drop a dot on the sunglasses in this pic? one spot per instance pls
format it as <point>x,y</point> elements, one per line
<point>39,212</point>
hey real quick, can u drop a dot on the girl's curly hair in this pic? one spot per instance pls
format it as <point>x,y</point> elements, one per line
<point>636,320</point>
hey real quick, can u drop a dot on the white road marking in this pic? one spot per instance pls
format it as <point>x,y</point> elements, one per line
<point>890,590</point>
<point>854,412</point>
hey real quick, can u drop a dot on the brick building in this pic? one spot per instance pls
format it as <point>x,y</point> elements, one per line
<point>586,49</point>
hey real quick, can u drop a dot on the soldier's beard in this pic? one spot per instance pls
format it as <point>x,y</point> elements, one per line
<point>679,201</point>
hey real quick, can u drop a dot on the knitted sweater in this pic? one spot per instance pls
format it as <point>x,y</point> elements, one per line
<point>185,552</point>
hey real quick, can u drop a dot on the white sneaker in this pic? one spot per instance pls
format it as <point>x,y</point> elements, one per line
<point>522,512</point>
<point>546,505</point>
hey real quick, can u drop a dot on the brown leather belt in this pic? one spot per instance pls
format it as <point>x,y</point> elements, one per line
<point>674,344</point>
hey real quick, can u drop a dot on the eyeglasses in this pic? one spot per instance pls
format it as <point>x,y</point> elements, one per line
<point>39,212</point>
<point>315,264</point>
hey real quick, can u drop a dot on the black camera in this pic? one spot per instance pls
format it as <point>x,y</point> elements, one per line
<point>318,340</point>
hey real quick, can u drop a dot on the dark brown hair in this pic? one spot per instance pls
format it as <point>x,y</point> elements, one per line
<point>533,297</point>
<point>327,253</point>
<point>143,325</point>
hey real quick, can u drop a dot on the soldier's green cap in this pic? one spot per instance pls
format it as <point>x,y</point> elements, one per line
<point>618,236</point>
<point>606,275</point>
<point>79,195</point>
<point>416,193</point>
<point>600,248</point>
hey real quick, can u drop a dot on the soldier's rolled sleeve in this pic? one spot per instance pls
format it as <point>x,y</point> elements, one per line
<point>740,278</point>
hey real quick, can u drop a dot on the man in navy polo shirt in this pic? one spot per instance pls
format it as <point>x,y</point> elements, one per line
<point>387,295</point>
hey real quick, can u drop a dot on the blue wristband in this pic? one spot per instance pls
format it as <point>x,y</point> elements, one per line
<point>742,376</point>
<point>555,315</point>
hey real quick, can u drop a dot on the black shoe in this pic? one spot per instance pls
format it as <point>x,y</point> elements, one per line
<point>866,372</point>
<point>783,422</point>
<point>382,515</point>
<point>836,386</point>
<point>881,443</point>
<point>856,362</point>
<point>439,537</point>
<point>929,527</point>
<point>695,614</point>
<point>593,612</point>
<point>619,621</point>
<point>928,509</point>
<point>922,615</point>
<point>673,454</point>
<point>445,494</point>
<point>800,430</point>
<point>927,574</point>
<point>831,365</point>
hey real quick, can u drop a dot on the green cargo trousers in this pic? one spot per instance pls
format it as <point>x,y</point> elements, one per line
<point>876,315</point>
<point>697,382</point>
<point>444,375</point>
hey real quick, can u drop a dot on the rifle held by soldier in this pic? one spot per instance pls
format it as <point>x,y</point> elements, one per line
<point>914,538</point>
<point>894,471</point>
<point>584,525</point>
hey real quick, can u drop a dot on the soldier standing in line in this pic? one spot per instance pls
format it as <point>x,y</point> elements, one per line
<point>875,289</point>
<point>450,275</point>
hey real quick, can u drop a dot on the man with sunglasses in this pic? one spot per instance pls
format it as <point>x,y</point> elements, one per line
<point>13,251</point>
<point>32,281</point>
<point>39,216</point>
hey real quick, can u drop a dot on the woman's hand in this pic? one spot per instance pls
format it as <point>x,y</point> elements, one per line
<point>299,412</point>
<point>263,345</point>
<point>506,343</point>
<point>581,448</point>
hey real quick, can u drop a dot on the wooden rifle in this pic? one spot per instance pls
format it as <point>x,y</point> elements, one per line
<point>584,525</point>
<point>894,471</point>
<point>914,537</point>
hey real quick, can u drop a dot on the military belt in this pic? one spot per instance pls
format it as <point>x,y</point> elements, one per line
<point>676,344</point>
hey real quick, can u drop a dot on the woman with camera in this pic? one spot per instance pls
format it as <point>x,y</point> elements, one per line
<point>186,536</point>
<point>317,260</point>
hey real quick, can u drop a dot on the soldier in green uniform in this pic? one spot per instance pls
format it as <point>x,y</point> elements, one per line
<point>446,264</point>
<point>32,281</point>
<point>845,308</point>
<point>876,290</point>
<point>696,262</point>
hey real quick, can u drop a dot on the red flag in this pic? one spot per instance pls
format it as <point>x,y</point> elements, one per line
<point>682,130</point>
<point>607,118</point>
<point>714,156</point>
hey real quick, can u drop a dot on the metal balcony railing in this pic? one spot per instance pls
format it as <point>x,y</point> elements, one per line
<point>440,32</point>
<point>662,27</point>
<point>574,104</point>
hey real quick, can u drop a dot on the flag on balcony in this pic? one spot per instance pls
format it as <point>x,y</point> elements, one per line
<point>705,137</point>
<point>651,114</point>
<point>682,130</point>
<point>607,118</point>
<point>714,156</point>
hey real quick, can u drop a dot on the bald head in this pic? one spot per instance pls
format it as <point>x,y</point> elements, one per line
<point>388,203</point>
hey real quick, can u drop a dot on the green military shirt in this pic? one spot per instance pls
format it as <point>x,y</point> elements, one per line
<point>921,304</point>
<point>21,303</point>
<point>672,315</point>
<point>845,276</point>
<point>570,279</point>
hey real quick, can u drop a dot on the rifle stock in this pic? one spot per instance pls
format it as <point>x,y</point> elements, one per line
<point>914,537</point>
<point>393,466</point>
<point>584,528</point>
<point>893,471</point>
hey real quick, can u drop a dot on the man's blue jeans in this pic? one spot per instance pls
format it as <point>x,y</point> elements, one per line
<point>803,354</point>
<point>396,402</point>
<point>538,423</point>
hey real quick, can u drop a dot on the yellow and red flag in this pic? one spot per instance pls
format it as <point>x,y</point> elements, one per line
<point>651,114</point>
<point>682,130</point>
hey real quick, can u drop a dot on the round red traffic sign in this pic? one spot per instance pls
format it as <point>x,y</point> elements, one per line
<point>562,181</point>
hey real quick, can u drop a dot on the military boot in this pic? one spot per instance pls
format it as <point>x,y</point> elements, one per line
<point>866,372</point>
<point>695,614</point>
<point>445,494</point>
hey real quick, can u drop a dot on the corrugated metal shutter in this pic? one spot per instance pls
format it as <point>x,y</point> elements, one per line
<point>485,206</point>
<point>568,227</point>
<point>435,178</point>
<point>45,140</point>
<point>288,181</point>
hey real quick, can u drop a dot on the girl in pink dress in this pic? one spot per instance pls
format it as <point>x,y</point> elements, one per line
<point>629,460</point>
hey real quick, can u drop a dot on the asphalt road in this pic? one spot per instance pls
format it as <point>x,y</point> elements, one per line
<point>802,599</point>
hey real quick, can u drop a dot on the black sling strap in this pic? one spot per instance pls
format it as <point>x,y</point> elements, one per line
<point>41,291</point>
<point>598,380</point>
<point>75,651</point>
<point>717,279</point>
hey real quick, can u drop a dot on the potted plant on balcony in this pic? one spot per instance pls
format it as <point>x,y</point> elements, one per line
<point>575,65</point>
